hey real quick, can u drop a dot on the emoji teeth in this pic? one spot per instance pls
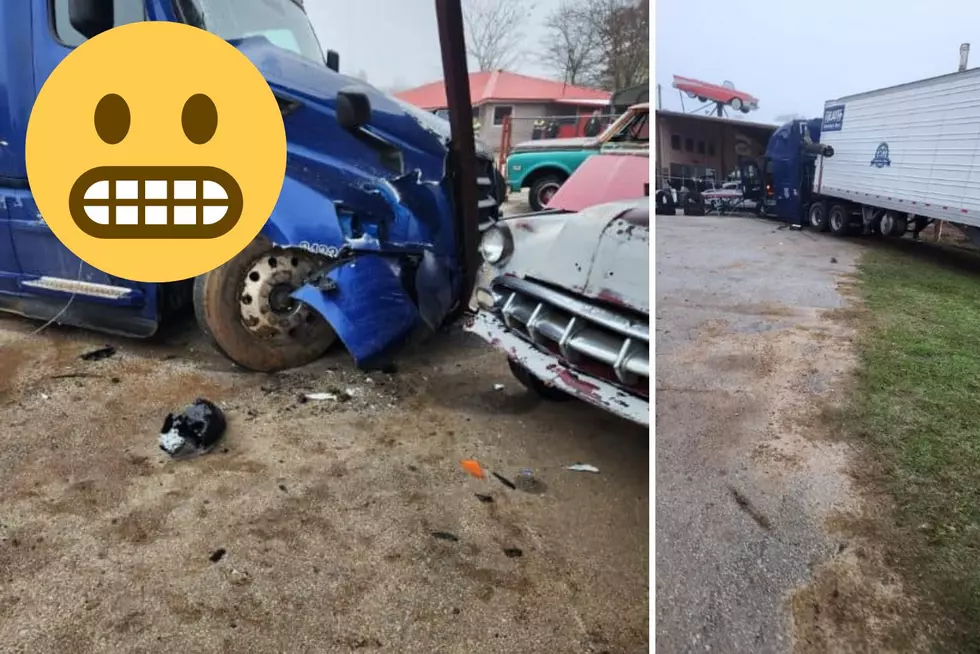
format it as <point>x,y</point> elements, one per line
<point>164,202</point>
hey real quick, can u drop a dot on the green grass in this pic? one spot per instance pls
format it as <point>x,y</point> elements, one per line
<point>917,407</point>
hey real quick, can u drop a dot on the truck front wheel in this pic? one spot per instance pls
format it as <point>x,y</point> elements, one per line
<point>818,217</point>
<point>542,190</point>
<point>839,219</point>
<point>245,308</point>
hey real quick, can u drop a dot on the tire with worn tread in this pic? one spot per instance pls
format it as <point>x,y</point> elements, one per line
<point>217,309</point>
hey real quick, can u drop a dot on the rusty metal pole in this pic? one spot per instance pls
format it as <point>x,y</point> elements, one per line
<point>452,43</point>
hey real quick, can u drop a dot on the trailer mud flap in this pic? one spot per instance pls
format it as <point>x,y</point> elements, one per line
<point>367,307</point>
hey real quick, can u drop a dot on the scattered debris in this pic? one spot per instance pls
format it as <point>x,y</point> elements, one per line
<point>582,467</point>
<point>833,259</point>
<point>282,487</point>
<point>44,396</point>
<point>498,387</point>
<point>99,354</point>
<point>332,394</point>
<point>506,482</point>
<point>75,375</point>
<point>747,506</point>
<point>472,466</point>
<point>445,535</point>
<point>528,483</point>
<point>115,380</point>
<point>486,499</point>
<point>217,555</point>
<point>194,431</point>
<point>513,552</point>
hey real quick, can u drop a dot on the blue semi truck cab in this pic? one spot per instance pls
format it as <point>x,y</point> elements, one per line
<point>364,245</point>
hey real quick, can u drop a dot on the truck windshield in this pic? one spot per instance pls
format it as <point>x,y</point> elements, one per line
<point>282,22</point>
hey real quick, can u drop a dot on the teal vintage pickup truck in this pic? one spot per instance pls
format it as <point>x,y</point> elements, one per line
<point>544,165</point>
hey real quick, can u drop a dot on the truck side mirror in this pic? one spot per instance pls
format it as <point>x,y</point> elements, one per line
<point>91,17</point>
<point>353,109</point>
<point>333,60</point>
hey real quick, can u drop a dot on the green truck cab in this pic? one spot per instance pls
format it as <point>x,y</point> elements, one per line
<point>544,165</point>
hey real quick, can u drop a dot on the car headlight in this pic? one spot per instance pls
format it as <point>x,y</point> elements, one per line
<point>497,244</point>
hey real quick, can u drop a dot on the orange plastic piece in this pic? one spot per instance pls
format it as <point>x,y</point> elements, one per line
<point>473,467</point>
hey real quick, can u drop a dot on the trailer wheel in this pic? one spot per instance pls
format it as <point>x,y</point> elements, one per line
<point>818,217</point>
<point>244,307</point>
<point>839,219</point>
<point>893,224</point>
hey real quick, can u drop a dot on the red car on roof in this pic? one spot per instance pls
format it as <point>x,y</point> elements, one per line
<point>725,93</point>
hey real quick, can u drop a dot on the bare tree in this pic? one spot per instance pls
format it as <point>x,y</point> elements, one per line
<point>622,32</point>
<point>572,49</point>
<point>494,38</point>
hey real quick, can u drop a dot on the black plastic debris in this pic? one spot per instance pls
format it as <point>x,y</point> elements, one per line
<point>486,499</point>
<point>99,354</point>
<point>513,552</point>
<point>503,480</point>
<point>217,555</point>
<point>833,259</point>
<point>194,431</point>
<point>445,535</point>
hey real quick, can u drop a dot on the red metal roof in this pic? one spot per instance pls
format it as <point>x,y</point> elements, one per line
<point>502,86</point>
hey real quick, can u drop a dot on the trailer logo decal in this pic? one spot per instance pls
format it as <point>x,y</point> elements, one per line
<point>881,157</point>
<point>833,118</point>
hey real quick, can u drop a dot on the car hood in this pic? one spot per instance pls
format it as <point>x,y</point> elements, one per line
<point>580,143</point>
<point>602,252</point>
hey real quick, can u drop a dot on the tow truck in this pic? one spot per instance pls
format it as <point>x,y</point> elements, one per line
<point>374,238</point>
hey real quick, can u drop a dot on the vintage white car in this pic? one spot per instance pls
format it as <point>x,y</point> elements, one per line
<point>565,295</point>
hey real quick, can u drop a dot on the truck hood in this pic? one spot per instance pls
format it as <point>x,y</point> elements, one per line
<point>317,85</point>
<point>602,252</point>
<point>541,145</point>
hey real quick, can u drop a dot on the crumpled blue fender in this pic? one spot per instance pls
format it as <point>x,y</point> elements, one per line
<point>367,307</point>
<point>305,218</point>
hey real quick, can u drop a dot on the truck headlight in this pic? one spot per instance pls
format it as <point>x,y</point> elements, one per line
<point>497,244</point>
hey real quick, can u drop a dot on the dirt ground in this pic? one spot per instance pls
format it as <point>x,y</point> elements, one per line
<point>310,529</point>
<point>752,346</point>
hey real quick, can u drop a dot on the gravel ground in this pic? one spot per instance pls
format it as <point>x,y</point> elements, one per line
<point>747,350</point>
<point>310,528</point>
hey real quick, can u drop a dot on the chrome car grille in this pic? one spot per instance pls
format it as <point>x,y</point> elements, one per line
<point>486,182</point>
<point>594,339</point>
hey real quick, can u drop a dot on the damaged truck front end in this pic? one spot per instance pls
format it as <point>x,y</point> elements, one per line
<point>367,242</point>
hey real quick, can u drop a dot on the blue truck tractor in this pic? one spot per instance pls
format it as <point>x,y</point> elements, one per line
<point>372,240</point>
<point>781,182</point>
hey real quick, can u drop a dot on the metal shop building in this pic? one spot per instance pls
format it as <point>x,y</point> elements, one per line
<point>705,147</point>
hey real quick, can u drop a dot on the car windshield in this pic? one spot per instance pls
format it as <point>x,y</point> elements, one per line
<point>282,22</point>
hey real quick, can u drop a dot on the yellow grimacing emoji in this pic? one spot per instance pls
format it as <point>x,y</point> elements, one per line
<point>156,151</point>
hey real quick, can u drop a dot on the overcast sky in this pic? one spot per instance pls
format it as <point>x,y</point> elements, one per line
<point>396,42</point>
<point>793,56</point>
